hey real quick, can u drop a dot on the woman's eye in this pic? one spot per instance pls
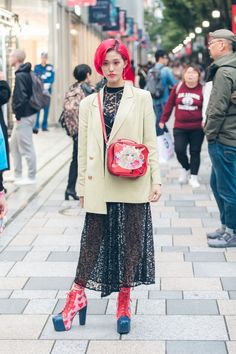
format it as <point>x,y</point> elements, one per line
<point>116,62</point>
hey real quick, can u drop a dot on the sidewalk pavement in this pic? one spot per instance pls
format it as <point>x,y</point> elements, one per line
<point>190,310</point>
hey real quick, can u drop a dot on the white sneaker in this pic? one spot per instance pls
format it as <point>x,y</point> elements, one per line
<point>184,176</point>
<point>193,181</point>
<point>11,178</point>
<point>25,181</point>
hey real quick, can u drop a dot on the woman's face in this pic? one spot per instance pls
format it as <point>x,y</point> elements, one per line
<point>113,68</point>
<point>191,76</point>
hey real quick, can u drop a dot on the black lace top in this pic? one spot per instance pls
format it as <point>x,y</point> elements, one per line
<point>111,102</point>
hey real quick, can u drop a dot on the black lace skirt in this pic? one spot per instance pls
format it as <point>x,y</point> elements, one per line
<point>117,249</point>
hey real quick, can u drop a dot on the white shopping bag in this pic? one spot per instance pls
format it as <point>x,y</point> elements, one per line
<point>165,146</point>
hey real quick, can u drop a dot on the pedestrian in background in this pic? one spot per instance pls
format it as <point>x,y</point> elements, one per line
<point>117,250</point>
<point>187,99</point>
<point>220,130</point>
<point>21,139</point>
<point>5,93</point>
<point>164,76</point>
<point>79,90</point>
<point>46,73</point>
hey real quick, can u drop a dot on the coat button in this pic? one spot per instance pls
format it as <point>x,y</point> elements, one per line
<point>90,177</point>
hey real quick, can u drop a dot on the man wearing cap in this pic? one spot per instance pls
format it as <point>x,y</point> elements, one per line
<point>220,130</point>
<point>46,73</point>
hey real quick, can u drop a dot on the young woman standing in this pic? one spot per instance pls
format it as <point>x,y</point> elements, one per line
<point>117,250</point>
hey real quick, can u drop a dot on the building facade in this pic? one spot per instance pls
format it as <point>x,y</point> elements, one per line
<point>64,33</point>
<point>47,26</point>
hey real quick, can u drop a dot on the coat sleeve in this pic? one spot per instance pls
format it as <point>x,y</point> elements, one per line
<point>82,153</point>
<point>20,96</point>
<point>170,104</point>
<point>150,139</point>
<point>5,92</point>
<point>218,104</point>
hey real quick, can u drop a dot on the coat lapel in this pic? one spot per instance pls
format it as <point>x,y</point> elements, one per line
<point>126,103</point>
<point>97,124</point>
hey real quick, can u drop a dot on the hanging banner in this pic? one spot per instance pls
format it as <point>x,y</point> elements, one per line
<point>130,26</point>
<point>100,13</point>
<point>72,3</point>
<point>188,48</point>
<point>234,16</point>
<point>140,34</point>
<point>134,36</point>
<point>115,25</point>
<point>123,22</point>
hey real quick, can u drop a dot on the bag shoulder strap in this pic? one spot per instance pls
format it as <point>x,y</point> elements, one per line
<point>102,118</point>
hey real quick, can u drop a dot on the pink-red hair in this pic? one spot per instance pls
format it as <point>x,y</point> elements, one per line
<point>106,46</point>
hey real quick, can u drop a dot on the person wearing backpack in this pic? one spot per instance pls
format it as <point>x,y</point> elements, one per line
<point>159,81</point>
<point>21,139</point>
<point>79,90</point>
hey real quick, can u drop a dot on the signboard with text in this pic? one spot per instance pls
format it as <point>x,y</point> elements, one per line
<point>100,13</point>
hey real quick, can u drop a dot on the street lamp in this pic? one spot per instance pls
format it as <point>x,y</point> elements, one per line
<point>215,14</point>
<point>205,24</point>
<point>198,30</point>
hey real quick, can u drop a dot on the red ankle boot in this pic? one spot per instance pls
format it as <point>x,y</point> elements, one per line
<point>123,313</point>
<point>76,302</point>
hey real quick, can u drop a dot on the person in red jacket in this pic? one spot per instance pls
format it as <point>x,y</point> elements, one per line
<point>187,98</point>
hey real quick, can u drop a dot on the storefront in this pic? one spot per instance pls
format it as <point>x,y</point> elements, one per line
<point>9,28</point>
<point>50,26</point>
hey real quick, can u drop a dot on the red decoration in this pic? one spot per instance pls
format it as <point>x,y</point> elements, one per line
<point>72,3</point>
<point>188,49</point>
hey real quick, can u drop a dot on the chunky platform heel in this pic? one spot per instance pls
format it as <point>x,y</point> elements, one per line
<point>123,314</point>
<point>82,316</point>
<point>76,302</point>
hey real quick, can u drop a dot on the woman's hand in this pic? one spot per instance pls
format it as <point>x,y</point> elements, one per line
<point>1,75</point>
<point>161,125</point>
<point>3,206</point>
<point>81,200</point>
<point>155,193</point>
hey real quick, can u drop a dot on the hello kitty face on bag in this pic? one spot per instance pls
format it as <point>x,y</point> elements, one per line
<point>129,157</point>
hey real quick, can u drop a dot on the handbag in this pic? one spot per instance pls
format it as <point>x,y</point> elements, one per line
<point>125,157</point>
<point>3,152</point>
<point>165,146</point>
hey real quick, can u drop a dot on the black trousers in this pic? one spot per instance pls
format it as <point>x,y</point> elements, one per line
<point>73,171</point>
<point>193,138</point>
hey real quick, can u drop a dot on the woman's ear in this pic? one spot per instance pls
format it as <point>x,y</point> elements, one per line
<point>125,63</point>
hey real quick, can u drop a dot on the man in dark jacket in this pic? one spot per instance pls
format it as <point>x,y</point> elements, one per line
<point>220,130</point>
<point>21,140</point>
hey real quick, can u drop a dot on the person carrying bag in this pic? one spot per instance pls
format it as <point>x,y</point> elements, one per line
<point>117,251</point>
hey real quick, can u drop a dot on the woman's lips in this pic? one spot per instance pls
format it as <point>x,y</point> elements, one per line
<point>111,75</point>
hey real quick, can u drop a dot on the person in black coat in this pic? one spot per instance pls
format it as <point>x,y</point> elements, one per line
<point>5,93</point>
<point>21,139</point>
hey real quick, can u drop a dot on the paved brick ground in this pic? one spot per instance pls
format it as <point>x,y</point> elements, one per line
<point>190,310</point>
